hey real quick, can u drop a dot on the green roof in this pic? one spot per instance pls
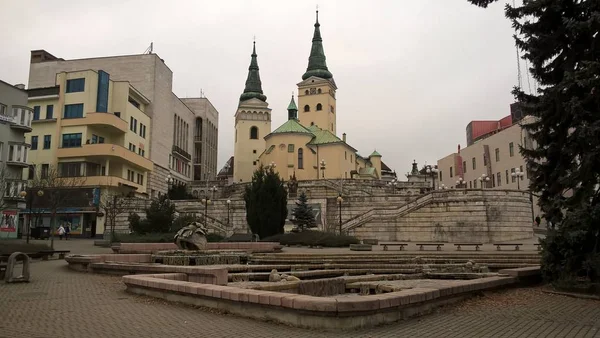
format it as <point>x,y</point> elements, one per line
<point>375,154</point>
<point>291,126</point>
<point>323,136</point>
<point>367,171</point>
<point>317,66</point>
<point>253,87</point>
<point>292,105</point>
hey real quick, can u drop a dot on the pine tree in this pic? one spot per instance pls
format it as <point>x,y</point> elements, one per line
<point>266,203</point>
<point>303,214</point>
<point>561,41</point>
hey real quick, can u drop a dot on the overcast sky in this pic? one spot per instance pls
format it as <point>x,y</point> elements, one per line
<point>411,74</point>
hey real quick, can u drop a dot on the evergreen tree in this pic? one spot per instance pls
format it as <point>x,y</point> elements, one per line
<point>303,214</point>
<point>560,40</point>
<point>266,203</point>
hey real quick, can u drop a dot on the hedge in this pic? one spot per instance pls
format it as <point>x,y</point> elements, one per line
<point>313,238</point>
<point>157,238</point>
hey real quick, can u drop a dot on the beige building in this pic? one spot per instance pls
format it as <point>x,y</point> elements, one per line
<point>492,162</point>
<point>91,127</point>
<point>182,137</point>
<point>306,145</point>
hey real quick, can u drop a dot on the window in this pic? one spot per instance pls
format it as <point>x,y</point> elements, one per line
<point>47,141</point>
<point>1,151</point>
<point>71,140</point>
<point>36,113</point>
<point>441,176</point>
<point>451,172</point>
<point>331,109</point>
<point>73,111</point>
<point>470,185</point>
<point>2,109</point>
<point>474,163</point>
<point>75,85</point>
<point>45,170</point>
<point>49,112</point>
<point>511,149</point>
<point>306,92</point>
<point>31,172</point>
<point>94,139</point>
<point>142,130</point>
<point>100,139</point>
<point>130,175</point>
<point>34,142</point>
<point>497,154</point>
<point>474,184</point>
<point>72,169</point>
<point>306,108</point>
<point>484,160</point>
<point>140,179</point>
<point>319,106</point>
<point>253,162</point>
<point>345,155</point>
<point>521,170</point>
<point>134,102</point>
<point>512,178</point>
<point>141,152</point>
<point>493,181</point>
<point>300,158</point>
<point>254,133</point>
<point>290,148</point>
<point>507,177</point>
<point>319,91</point>
<point>102,97</point>
<point>499,179</point>
<point>254,151</point>
<point>464,167</point>
<point>132,124</point>
<point>132,147</point>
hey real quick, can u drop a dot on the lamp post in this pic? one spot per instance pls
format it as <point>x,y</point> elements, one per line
<point>340,200</point>
<point>29,206</point>
<point>483,179</point>
<point>213,190</point>
<point>169,181</point>
<point>228,209</point>
<point>393,184</point>
<point>459,183</point>
<point>206,202</point>
<point>442,187</point>
<point>323,166</point>
<point>518,175</point>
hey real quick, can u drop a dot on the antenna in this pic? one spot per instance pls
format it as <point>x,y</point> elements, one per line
<point>150,49</point>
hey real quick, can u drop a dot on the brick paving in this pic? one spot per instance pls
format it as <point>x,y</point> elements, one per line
<point>61,303</point>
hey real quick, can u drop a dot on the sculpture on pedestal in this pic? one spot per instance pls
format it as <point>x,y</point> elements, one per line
<point>191,237</point>
<point>292,186</point>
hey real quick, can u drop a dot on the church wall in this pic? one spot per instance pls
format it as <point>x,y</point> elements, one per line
<point>323,118</point>
<point>337,157</point>
<point>286,162</point>
<point>247,151</point>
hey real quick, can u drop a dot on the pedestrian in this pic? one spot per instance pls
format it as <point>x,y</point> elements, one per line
<point>538,220</point>
<point>67,231</point>
<point>61,231</point>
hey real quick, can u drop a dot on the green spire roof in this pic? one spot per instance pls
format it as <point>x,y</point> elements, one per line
<point>292,110</point>
<point>253,85</point>
<point>375,154</point>
<point>317,66</point>
<point>292,105</point>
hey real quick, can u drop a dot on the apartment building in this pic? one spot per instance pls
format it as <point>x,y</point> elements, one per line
<point>15,121</point>
<point>492,160</point>
<point>94,128</point>
<point>172,146</point>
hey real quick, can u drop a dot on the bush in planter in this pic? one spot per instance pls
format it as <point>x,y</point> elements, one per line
<point>313,238</point>
<point>165,237</point>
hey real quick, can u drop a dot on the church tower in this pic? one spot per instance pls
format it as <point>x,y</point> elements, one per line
<point>316,93</point>
<point>252,124</point>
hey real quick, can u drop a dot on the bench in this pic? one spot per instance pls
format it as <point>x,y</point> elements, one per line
<point>460,245</point>
<point>499,245</point>
<point>2,269</point>
<point>437,245</point>
<point>49,253</point>
<point>399,245</point>
<point>539,246</point>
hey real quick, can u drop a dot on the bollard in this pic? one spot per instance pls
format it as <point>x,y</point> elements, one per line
<point>12,260</point>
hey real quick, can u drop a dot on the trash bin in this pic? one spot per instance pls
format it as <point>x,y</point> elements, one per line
<point>40,232</point>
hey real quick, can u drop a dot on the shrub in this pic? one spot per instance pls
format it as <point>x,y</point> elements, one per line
<point>162,237</point>
<point>314,238</point>
<point>159,218</point>
<point>9,246</point>
<point>214,238</point>
<point>184,220</point>
<point>266,203</point>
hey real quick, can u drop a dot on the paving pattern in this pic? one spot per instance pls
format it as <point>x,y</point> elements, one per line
<point>61,303</point>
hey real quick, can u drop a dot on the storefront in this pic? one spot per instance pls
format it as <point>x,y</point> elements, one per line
<point>9,224</point>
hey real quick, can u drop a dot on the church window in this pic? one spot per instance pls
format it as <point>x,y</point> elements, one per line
<point>254,151</point>
<point>331,109</point>
<point>300,158</point>
<point>307,108</point>
<point>312,123</point>
<point>345,155</point>
<point>319,90</point>
<point>253,162</point>
<point>306,92</point>
<point>254,133</point>
<point>290,148</point>
<point>319,106</point>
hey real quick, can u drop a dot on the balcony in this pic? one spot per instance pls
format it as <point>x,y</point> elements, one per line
<point>108,121</point>
<point>43,93</point>
<point>20,118</point>
<point>198,139</point>
<point>182,153</point>
<point>109,181</point>
<point>112,151</point>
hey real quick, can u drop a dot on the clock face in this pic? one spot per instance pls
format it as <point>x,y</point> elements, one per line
<point>313,90</point>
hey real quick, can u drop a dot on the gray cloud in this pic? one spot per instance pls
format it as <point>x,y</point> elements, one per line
<point>411,74</point>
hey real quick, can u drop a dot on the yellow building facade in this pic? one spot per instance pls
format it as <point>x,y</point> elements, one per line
<point>93,128</point>
<point>306,145</point>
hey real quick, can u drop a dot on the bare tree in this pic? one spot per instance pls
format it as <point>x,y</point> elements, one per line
<point>114,203</point>
<point>4,178</point>
<point>58,193</point>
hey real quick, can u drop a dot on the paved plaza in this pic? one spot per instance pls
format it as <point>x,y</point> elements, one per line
<point>62,303</point>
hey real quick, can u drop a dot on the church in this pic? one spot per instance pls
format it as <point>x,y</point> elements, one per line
<point>306,146</point>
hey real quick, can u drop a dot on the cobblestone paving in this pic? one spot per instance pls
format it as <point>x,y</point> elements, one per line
<point>61,303</point>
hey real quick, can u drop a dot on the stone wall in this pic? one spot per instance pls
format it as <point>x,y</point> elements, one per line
<point>470,216</point>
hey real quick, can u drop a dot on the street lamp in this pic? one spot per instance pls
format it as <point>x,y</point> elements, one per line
<point>206,202</point>
<point>482,179</point>
<point>518,175</point>
<point>323,166</point>
<point>460,182</point>
<point>442,187</point>
<point>340,200</point>
<point>228,210</point>
<point>213,190</point>
<point>431,170</point>
<point>169,181</point>
<point>393,184</point>
<point>29,206</point>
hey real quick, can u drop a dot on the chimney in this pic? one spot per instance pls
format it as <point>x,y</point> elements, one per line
<point>20,86</point>
<point>344,137</point>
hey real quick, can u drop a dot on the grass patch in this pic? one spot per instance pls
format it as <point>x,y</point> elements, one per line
<point>157,238</point>
<point>313,238</point>
<point>7,247</point>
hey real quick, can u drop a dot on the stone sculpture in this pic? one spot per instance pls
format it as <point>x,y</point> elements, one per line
<point>292,186</point>
<point>12,260</point>
<point>274,276</point>
<point>191,237</point>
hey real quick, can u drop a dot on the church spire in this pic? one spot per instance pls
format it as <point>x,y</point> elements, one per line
<point>253,85</point>
<point>292,110</point>
<point>317,66</point>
